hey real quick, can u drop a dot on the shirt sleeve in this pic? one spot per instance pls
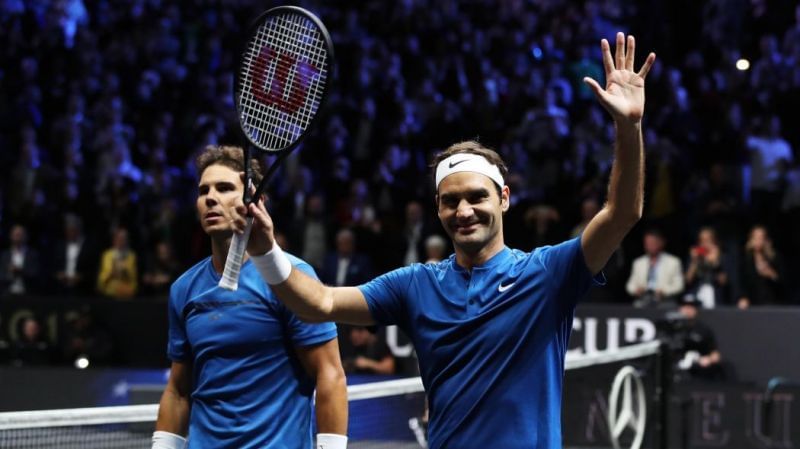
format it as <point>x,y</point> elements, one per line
<point>386,294</point>
<point>566,268</point>
<point>178,347</point>
<point>308,334</point>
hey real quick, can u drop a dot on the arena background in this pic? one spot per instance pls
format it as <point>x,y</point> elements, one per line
<point>105,104</point>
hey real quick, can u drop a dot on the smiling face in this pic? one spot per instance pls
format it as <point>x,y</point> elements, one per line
<point>471,211</point>
<point>220,189</point>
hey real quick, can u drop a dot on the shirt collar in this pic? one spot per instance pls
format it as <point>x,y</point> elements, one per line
<point>501,257</point>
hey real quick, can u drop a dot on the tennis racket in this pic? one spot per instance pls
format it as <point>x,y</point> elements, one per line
<point>286,67</point>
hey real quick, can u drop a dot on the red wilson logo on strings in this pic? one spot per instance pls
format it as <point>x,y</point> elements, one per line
<point>288,70</point>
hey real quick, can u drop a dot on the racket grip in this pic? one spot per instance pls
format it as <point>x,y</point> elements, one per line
<point>233,264</point>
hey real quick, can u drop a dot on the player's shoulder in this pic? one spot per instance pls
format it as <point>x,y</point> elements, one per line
<point>562,251</point>
<point>185,280</point>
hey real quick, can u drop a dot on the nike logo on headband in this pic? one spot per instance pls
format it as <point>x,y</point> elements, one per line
<point>453,164</point>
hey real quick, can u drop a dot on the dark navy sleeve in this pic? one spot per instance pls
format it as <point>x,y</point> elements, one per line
<point>308,334</point>
<point>567,271</point>
<point>386,295</point>
<point>178,347</point>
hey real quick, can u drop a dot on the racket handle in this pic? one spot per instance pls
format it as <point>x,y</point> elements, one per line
<point>233,264</point>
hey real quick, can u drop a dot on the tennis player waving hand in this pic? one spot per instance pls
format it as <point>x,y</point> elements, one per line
<point>490,324</point>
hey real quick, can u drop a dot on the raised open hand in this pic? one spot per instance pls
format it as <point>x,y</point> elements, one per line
<point>623,96</point>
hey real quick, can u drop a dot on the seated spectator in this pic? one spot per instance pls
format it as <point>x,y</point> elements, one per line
<point>19,264</point>
<point>370,354</point>
<point>32,348</point>
<point>75,260</point>
<point>707,277</point>
<point>762,272</point>
<point>161,269</point>
<point>117,278</point>
<point>657,276</point>
<point>345,266</point>
<point>84,338</point>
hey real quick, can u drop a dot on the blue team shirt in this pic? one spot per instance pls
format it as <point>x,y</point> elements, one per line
<point>491,343</point>
<point>249,389</point>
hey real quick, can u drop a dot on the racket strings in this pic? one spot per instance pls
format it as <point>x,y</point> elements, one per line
<point>302,65</point>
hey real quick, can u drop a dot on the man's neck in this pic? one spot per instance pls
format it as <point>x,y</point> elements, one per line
<point>219,253</point>
<point>469,260</point>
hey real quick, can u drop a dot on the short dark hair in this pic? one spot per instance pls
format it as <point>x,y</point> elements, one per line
<point>471,147</point>
<point>228,156</point>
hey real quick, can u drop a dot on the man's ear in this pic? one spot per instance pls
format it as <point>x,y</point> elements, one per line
<point>505,199</point>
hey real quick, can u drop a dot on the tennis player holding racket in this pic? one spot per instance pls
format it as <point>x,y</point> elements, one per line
<point>244,368</point>
<point>490,324</point>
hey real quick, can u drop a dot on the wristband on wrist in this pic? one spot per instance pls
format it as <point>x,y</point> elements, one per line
<point>331,441</point>
<point>167,440</point>
<point>274,266</point>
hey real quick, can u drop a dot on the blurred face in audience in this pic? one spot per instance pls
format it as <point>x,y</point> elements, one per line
<point>758,238</point>
<point>653,244</point>
<point>17,236</point>
<point>345,243</point>
<point>120,239</point>
<point>360,336</point>
<point>706,238</point>
<point>31,330</point>
<point>219,191</point>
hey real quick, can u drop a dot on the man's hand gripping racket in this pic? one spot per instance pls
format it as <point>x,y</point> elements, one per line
<point>280,87</point>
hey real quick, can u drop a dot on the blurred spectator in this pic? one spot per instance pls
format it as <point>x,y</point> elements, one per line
<point>103,104</point>
<point>345,266</point>
<point>32,348</point>
<point>75,260</point>
<point>370,354</point>
<point>542,226</point>
<point>435,249</point>
<point>161,269</point>
<point>309,235</point>
<point>19,264</point>
<point>770,156</point>
<point>707,275</point>
<point>697,352</point>
<point>656,277</point>
<point>84,338</point>
<point>762,275</point>
<point>118,271</point>
<point>589,208</point>
<point>413,233</point>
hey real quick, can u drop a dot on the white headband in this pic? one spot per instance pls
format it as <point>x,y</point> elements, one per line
<point>469,162</point>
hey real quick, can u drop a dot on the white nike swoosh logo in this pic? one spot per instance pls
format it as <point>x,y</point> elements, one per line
<point>501,288</point>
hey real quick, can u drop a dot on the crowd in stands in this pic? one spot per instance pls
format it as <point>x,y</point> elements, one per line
<point>104,106</point>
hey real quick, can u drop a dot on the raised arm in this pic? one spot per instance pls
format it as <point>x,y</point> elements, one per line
<point>623,98</point>
<point>308,298</point>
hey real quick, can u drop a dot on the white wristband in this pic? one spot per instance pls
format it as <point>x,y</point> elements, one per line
<point>167,440</point>
<point>331,441</point>
<point>274,266</point>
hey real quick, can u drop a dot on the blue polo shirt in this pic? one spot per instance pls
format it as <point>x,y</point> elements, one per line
<point>491,342</point>
<point>249,389</point>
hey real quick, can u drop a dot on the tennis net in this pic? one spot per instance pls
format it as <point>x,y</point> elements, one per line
<point>383,415</point>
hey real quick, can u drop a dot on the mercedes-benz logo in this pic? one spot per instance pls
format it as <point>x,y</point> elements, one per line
<point>627,407</point>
